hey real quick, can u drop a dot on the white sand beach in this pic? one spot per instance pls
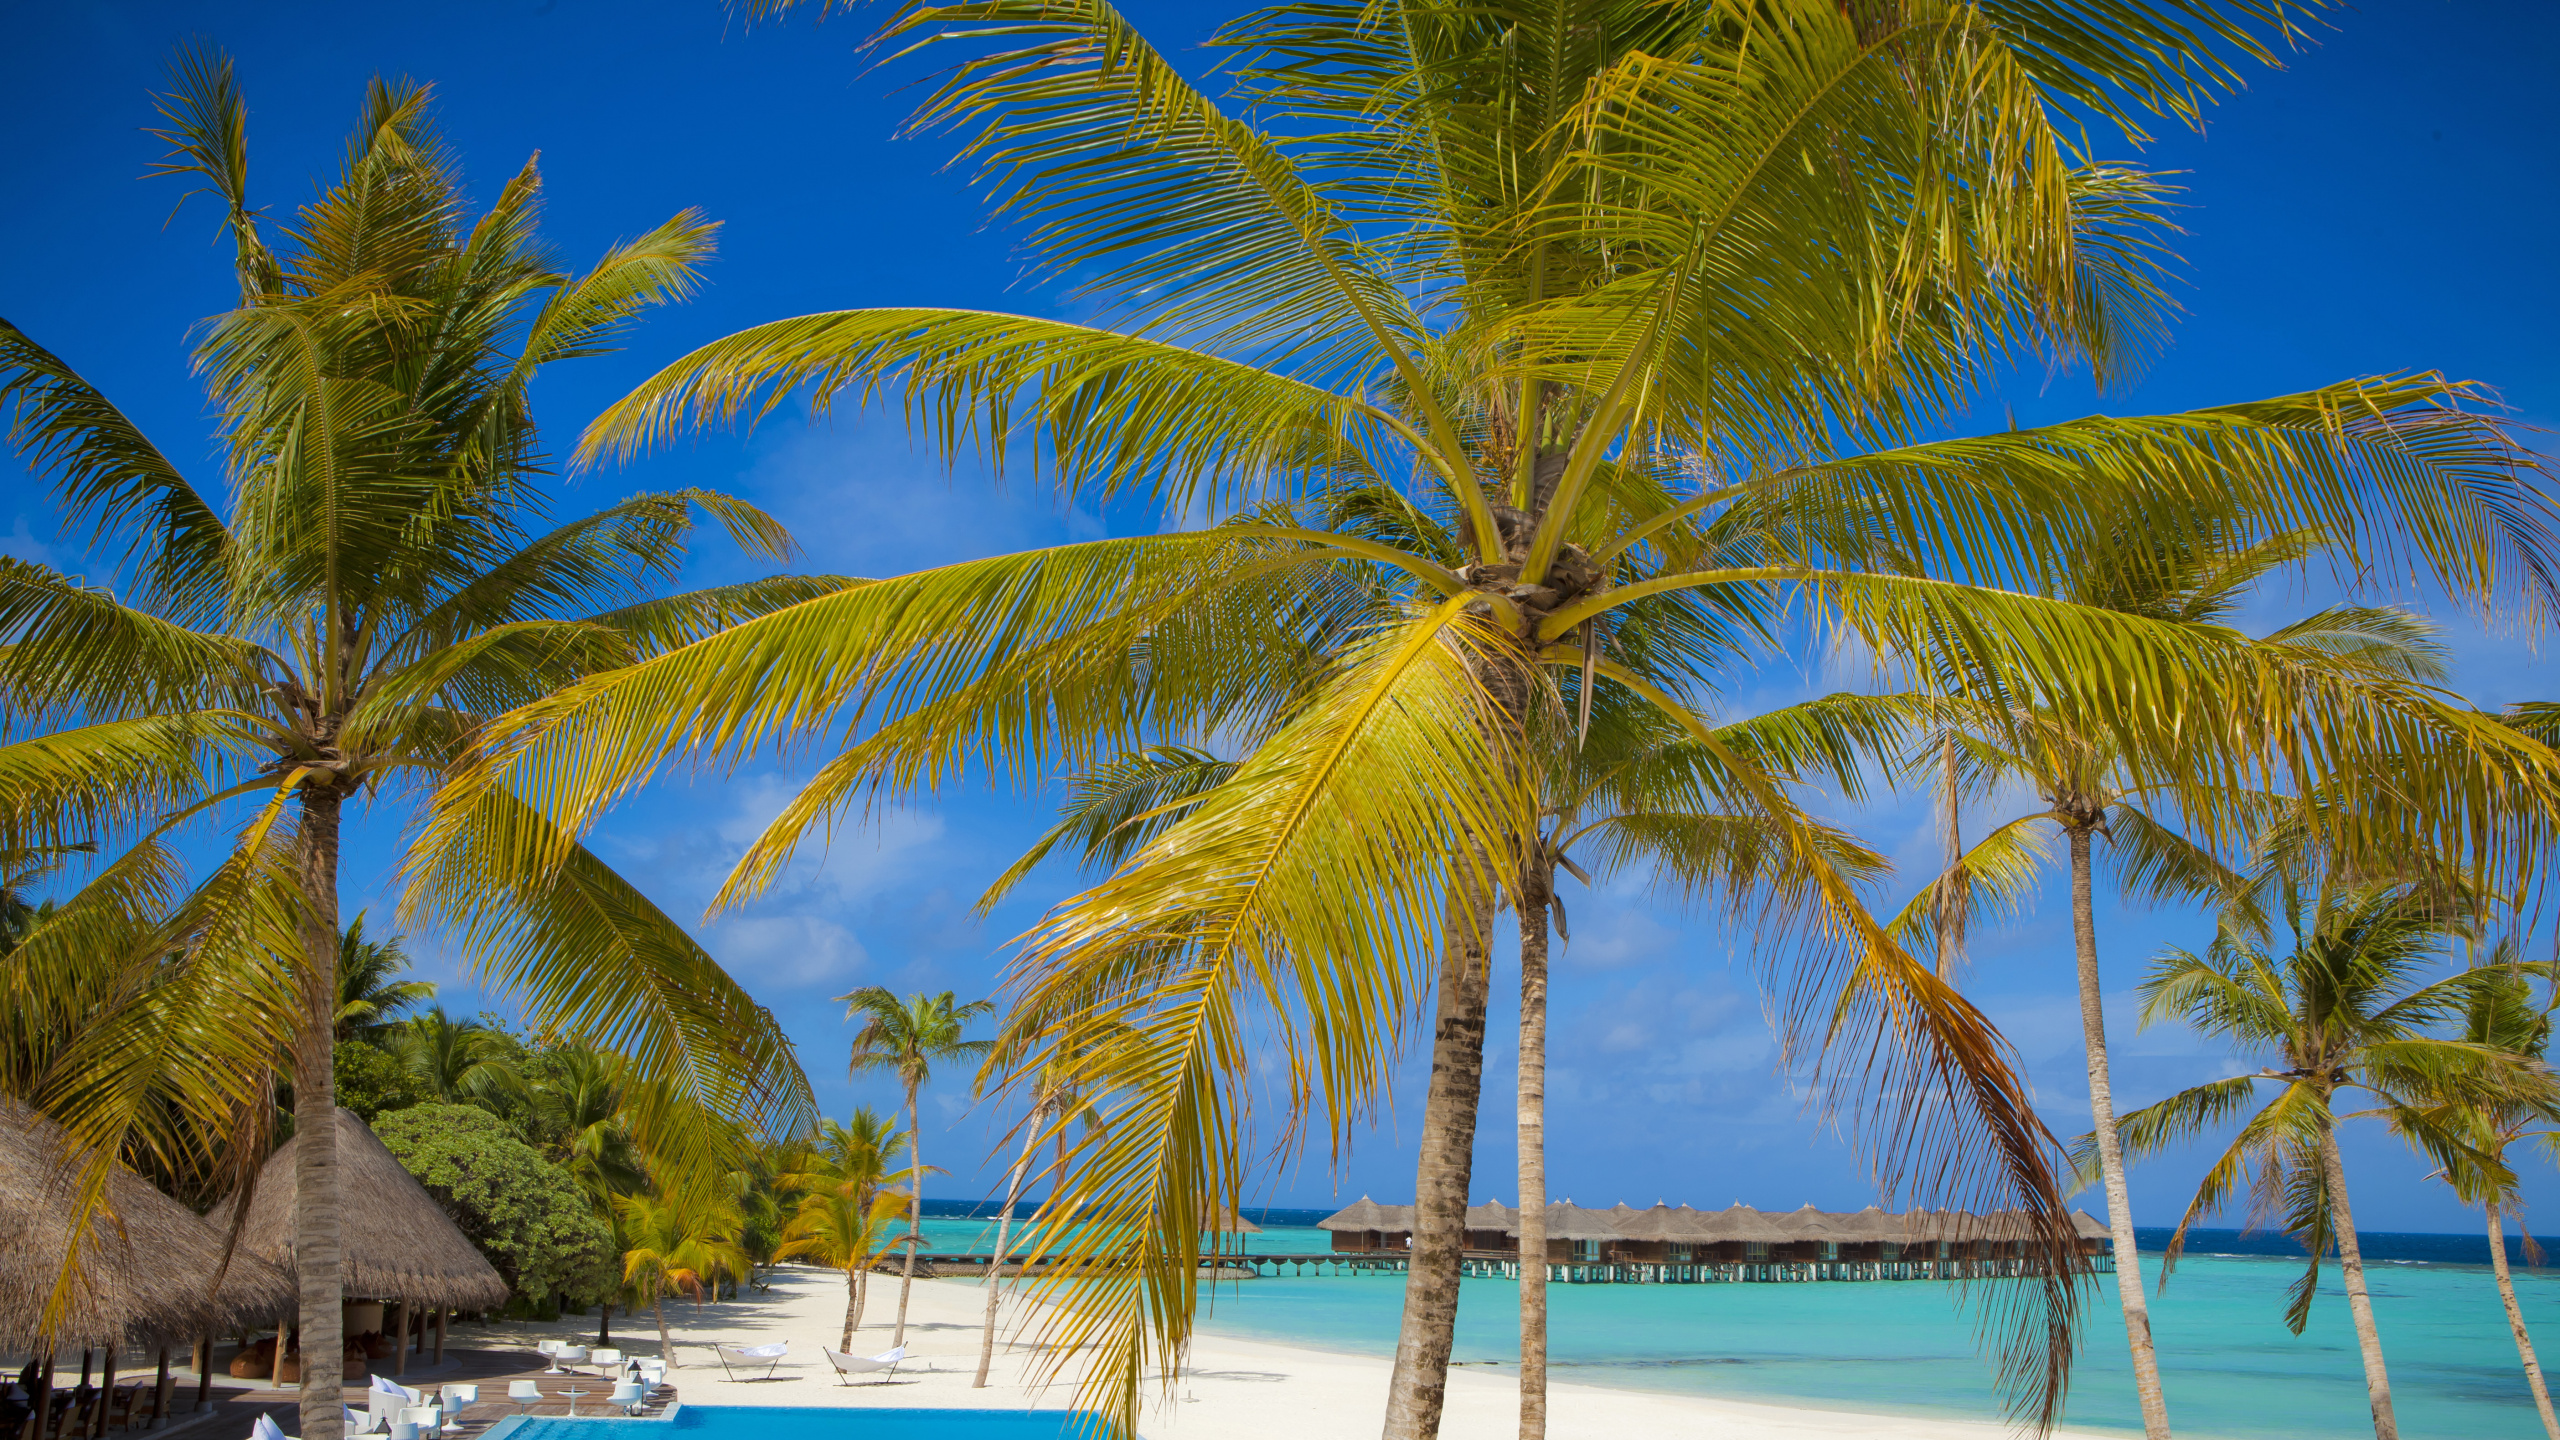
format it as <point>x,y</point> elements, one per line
<point>1235,1389</point>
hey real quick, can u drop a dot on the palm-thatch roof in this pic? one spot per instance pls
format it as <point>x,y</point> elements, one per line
<point>1231,1223</point>
<point>1493,1215</point>
<point>396,1242</point>
<point>1568,1221</point>
<point>1811,1224</point>
<point>146,1272</point>
<point>1875,1223</point>
<point>2089,1226</point>
<point>1367,1214</point>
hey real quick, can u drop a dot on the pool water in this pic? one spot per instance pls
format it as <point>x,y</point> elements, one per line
<point>832,1422</point>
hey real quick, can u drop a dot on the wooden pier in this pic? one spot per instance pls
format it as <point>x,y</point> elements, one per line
<point>1494,1264</point>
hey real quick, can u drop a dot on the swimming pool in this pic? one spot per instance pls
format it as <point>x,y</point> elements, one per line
<point>827,1422</point>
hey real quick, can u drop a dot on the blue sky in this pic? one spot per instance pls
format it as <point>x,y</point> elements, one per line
<point>2384,204</point>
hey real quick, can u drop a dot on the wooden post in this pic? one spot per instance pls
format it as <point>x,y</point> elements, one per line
<point>204,1371</point>
<point>43,1398</point>
<point>106,1392</point>
<point>160,1392</point>
<point>440,1318</point>
<point>399,1328</point>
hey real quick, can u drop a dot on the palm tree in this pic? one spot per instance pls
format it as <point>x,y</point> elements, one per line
<point>906,1037</point>
<point>2085,792</point>
<point>850,1163</point>
<point>370,998</point>
<point>1643,304</point>
<point>1060,1096</point>
<point>2469,1133</point>
<point>2348,1008</point>
<point>378,578</point>
<point>677,1242</point>
<point>842,1231</point>
<point>455,1062</point>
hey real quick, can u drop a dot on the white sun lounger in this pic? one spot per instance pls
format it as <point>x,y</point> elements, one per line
<point>736,1357</point>
<point>884,1363</point>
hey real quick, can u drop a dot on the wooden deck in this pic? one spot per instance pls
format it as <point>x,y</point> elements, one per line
<point>1502,1264</point>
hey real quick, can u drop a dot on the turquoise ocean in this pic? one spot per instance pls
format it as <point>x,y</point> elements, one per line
<point>2231,1369</point>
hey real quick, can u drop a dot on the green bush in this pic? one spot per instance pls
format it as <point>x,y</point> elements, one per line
<point>524,1212</point>
<point>370,1080</point>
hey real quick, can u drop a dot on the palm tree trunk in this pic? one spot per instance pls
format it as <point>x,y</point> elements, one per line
<point>658,1307</point>
<point>995,1266</point>
<point>2102,1120</point>
<point>852,1306</point>
<point>1533,1153</point>
<point>604,1324</point>
<point>2377,1382</point>
<point>316,1247</point>
<point>2515,1320</point>
<point>1421,1379</point>
<point>861,1293</point>
<point>915,1216</point>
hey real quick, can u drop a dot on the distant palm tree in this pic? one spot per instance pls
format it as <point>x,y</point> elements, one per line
<point>906,1037</point>
<point>851,1163</point>
<point>369,997</point>
<point>677,1243</point>
<point>2348,1008</point>
<point>375,577</point>
<point>843,1231</point>
<point>455,1062</point>
<point>2469,1133</point>
<point>1061,1093</point>
<point>2087,789</point>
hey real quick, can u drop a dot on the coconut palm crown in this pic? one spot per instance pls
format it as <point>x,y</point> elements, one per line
<point>379,576</point>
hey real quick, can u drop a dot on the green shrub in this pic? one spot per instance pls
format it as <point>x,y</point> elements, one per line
<point>524,1212</point>
<point>370,1080</point>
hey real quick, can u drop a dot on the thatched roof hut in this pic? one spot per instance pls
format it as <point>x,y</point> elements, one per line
<point>1874,1223</point>
<point>1493,1215</point>
<point>146,1275</point>
<point>1811,1224</point>
<point>2090,1226</point>
<point>1568,1221</point>
<point>1367,1214</point>
<point>397,1243</point>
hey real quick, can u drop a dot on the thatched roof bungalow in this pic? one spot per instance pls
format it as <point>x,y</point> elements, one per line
<point>396,1243</point>
<point>146,1273</point>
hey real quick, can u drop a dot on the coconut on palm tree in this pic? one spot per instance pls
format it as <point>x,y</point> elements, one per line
<point>1645,306</point>
<point>906,1038</point>
<point>374,575</point>
<point>2350,1008</point>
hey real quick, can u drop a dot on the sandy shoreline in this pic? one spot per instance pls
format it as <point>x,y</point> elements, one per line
<point>1236,1389</point>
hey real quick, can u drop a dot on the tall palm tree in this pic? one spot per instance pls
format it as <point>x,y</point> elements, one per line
<point>2086,792</point>
<point>906,1038</point>
<point>371,997</point>
<point>850,1163</point>
<point>376,577</point>
<point>843,1232</point>
<point>2470,1133</point>
<point>2349,1008</point>
<point>1645,305</point>
<point>677,1242</point>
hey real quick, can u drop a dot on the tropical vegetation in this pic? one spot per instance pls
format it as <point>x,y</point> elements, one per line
<point>1538,360</point>
<point>373,573</point>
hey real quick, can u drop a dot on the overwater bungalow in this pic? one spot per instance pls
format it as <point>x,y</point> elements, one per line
<point>1681,1244</point>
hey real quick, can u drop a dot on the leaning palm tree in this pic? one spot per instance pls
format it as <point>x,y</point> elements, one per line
<point>1646,306</point>
<point>2470,1133</point>
<point>1061,1096</point>
<point>2348,1009</point>
<point>906,1037</point>
<point>843,1233</point>
<point>2085,792</point>
<point>677,1242</point>
<point>377,578</point>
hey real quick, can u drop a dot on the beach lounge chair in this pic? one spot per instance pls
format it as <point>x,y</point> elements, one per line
<point>883,1364</point>
<point>384,1399</point>
<point>630,1395</point>
<point>524,1393</point>
<point>735,1357</point>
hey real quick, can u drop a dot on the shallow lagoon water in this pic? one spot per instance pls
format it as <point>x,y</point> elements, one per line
<point>2232,1371</point>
